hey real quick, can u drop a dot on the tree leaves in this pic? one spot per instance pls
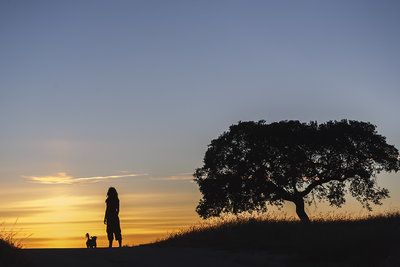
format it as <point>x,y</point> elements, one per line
<point>255,164</point>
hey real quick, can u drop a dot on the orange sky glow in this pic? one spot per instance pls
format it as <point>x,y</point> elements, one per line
<point>46,213</point>
<point>59,219</point>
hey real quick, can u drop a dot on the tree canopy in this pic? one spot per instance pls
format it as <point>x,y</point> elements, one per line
<point>255,164</point>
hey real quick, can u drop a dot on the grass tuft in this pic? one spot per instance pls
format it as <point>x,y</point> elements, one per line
<point>10,247</point>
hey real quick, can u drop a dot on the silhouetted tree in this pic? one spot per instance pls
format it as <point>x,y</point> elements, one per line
<point>255,164</point>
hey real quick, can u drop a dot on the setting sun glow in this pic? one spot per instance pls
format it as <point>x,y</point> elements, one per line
<point>58,210</point>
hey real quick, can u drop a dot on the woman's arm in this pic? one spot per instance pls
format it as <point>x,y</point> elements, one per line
<point>105,215</point>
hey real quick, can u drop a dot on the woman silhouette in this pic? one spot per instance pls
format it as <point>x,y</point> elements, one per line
<point>111,217</point>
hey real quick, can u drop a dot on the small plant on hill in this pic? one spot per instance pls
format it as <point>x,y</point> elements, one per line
<point>10,247</point>
<point>10,235</point>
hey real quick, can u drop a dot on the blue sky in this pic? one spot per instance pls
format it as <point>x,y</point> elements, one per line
<point>100,88</point>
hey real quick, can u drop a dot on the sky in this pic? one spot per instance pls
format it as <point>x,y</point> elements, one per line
<point>129,94</point>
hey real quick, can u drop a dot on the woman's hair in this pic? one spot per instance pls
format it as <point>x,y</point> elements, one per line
<point>112,193</point>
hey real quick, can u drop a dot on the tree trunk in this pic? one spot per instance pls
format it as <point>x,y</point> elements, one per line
<point>299,202</point>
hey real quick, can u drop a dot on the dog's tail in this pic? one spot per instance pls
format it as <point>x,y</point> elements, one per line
<point>87,235</point>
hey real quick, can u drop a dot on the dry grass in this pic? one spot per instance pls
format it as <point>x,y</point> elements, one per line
<point>10,246</point>
<point>12,235</point>
<point>336,239</point>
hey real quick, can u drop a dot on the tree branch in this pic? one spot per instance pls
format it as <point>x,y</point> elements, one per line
<point>284,194</point>
<point>319,182</point>
<point>311,187</point>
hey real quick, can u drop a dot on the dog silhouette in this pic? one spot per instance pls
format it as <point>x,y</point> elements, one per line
<point>91,241</point>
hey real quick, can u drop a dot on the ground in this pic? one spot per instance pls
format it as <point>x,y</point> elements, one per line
<point>169,256</point>
<point>151,256</point>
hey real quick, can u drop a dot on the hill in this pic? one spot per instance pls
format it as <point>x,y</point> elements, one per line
<point>369,241</point>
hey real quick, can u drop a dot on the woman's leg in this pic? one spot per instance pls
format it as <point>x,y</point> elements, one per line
<point>118,233</point>
<point>110,238</point>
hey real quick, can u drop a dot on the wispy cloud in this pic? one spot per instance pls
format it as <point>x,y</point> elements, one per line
<point>64,178</point>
